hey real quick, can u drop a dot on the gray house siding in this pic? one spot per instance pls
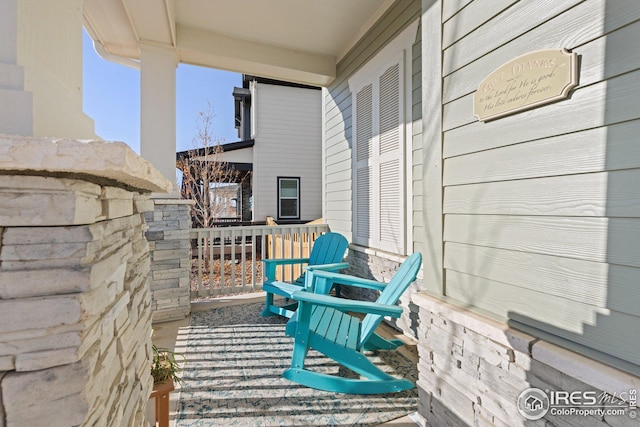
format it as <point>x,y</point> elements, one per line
<point>532,221</point>
<point>542,208</point>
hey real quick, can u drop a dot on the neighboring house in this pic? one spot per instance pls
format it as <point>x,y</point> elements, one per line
<point>232,166</point>
<point>284,121</point>
<point>279,125</point>
<point>528,225</point>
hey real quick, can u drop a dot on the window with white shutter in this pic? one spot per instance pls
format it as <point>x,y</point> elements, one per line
<point>380,96</point>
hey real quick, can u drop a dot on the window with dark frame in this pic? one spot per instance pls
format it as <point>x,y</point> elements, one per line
<point>288,198</point>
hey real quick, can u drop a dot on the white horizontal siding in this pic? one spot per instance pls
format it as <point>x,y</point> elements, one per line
<point>451,7</point>
<point>287,143</point>
<point>470,18</point>
<point>613,241</point>
<point>417,232</point>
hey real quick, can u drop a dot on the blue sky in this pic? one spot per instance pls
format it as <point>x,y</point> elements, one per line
<point>111,95</point>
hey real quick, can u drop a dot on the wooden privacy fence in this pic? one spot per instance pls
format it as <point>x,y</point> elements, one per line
<point>291,245</point>
<point>227,260</point>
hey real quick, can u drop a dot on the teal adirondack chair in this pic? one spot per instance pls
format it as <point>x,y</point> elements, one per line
<point>324,324</point>
<point>327,253</point>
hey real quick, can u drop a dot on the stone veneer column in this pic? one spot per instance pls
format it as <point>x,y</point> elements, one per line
<point>170,248</point>
<point>472,370</point>
<point>75,304</point>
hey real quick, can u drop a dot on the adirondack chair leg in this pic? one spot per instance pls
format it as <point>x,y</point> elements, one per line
<point>286,311</point>
<point>299,354</point>
<point>271,310</point>
<point>376,381</point>
<point>345,385</point>
<point>357,362</point>
<point>376,342</point>
<point>300,343</point>
<point>268,305</point>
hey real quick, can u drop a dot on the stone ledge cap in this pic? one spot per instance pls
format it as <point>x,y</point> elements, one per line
<point>589,371</point>
<point>498,332</point>
<point>96,161</point>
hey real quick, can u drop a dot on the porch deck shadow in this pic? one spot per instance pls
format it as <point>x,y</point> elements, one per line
<point>233,376</point>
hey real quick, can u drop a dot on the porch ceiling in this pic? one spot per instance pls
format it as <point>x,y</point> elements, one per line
<point>294,40</point>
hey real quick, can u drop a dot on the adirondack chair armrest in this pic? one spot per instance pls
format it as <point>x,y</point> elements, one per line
<point>336,266</point>
<point>324,286</point>
<point>285,261</point>
<point>342,279</point>
<point>346,305</point>
<point>271,264</point>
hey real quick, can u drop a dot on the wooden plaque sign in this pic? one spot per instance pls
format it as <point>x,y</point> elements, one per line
<point>528,81</point>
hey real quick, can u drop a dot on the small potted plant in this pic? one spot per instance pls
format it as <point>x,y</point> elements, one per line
<point>164,366</point>
<point>164,370</point>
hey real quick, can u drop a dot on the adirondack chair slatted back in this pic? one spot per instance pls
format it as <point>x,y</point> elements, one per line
<point>405,275</point>
<point>327,249</point>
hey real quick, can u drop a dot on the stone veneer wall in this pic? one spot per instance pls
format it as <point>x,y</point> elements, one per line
<point>75,318</point>
<point>170,247</point>
<point>472,370</point>
<point>372,264</point>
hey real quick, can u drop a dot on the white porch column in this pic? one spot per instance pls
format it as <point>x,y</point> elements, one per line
<point>16,105</point>
<point>158,109</point>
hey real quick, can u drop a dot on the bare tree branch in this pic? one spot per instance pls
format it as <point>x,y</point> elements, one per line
<point>206,179</point>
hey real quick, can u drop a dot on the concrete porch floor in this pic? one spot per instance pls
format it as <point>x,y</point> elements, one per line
<point>166,335</point>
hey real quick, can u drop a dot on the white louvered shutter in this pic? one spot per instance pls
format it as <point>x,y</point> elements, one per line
<point>390,161</point>
<point>364,152</point>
